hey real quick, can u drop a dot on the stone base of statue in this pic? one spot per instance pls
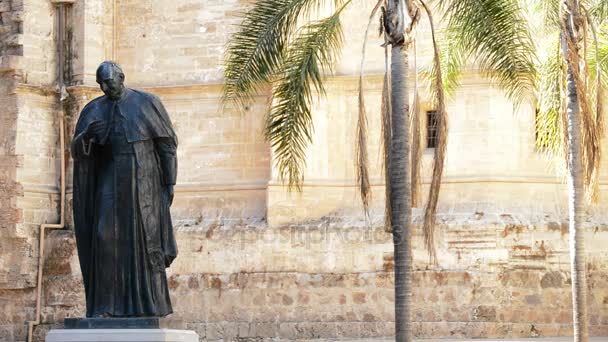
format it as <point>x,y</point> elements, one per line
<point>119,330</point>
<point>121,335</point>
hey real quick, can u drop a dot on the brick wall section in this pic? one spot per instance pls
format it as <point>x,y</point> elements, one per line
<point>224,162</point>
<point>92,38</point>
<point>11,278</point>
<point>30,172</point>
<point>28,154</point>
<point>39,50</point>
<point>182,43</point>
<point>334,280</point>
<point>16,283</point>
<point>9,213</point>
<point>37,146</point>
<point>10,27</point>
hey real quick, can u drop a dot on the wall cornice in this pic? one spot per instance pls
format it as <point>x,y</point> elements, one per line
<point>209,89</point>
<point>328,183</point>
<point>37,89</point>
<point>341,83</point>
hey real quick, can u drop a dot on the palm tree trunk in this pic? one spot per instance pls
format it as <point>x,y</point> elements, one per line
<point>400,191</point>
<point>576,181</point>
<point>576,198</point>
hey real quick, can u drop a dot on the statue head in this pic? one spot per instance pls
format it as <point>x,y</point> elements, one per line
<point>111,79</point>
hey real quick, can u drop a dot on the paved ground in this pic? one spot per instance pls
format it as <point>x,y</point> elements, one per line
<point>549,339</point>
<point>546,339</point>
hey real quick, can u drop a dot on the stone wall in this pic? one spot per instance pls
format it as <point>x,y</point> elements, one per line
<point>92,38</point>
<point>223,160</point>
<point>10,27</point>
<point>334,279</point>
<point>257,261</point>
<point>29,155</point>
<point>29,198</point>
<point>182,43</point>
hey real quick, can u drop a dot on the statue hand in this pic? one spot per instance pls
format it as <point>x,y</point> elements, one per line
<point>95,129</point>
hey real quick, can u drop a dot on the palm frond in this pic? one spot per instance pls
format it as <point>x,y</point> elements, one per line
<point>289,124</point>
<point>387,137</point>
<point>549,13</point>
<point>453,61</point>
<point>361,159</point>
<point>428,227</point>
<point>415,139</point>
<point>599,10</point>
<point>597,61</point>
<point>549,132</point>
<point>591,149</point>
<point>496,34</point>
<point>256,51</point>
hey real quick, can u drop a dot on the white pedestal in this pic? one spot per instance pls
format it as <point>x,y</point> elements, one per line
<point>121,335</point>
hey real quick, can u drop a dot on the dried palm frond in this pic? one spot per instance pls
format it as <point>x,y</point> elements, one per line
<point>590,131</point>
<point>387,130</point>
<point>428,227</point>
<point>362,160</point>
<point>595,64</point>
<point>361,155</point>
<point>416,158</point>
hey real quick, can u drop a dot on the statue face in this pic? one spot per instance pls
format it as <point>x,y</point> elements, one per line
<point>113,87</point>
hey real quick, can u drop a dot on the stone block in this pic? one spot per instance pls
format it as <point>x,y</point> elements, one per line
<point>9,63</point>
<point>484,313</point>
<point>113,323</point>
<point>6,333</point>
<point>552,279</point>
<point>120,335</point>
<point>222,331</point>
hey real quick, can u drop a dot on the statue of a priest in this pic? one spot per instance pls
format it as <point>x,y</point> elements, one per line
<point>125,167</point>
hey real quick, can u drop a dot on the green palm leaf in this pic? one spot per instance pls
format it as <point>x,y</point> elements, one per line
<point>599,10</point>
<point>289,124</point>
<point>496,34</point>
<point>256,50</point>
<point>600,61</point>
<point>549,13</point>
<point>453,61</point>
<point>549,123</point>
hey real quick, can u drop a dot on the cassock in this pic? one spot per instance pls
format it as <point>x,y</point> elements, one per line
<point>122,223</point>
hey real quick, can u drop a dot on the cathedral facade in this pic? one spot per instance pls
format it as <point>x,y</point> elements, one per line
<point>256,260</point>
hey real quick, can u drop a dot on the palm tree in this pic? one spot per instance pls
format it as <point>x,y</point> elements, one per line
<point>399,172</point>
<point>570,120</point>
<point>269,47</point>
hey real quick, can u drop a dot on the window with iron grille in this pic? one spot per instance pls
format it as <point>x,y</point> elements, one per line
<point>431,129</point>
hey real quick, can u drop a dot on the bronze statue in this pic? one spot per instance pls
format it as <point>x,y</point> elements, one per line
<point>125,167</point>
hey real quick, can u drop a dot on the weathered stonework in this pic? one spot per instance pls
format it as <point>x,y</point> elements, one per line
<point>334,280</point>
<point>258,262</point>
<point>11,17</point>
